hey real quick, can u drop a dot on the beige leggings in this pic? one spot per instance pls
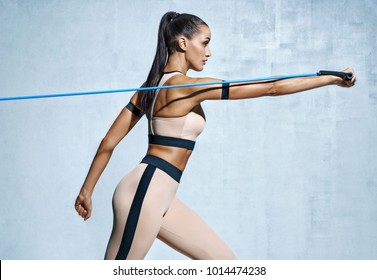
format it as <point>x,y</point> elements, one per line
<point>142,216</point>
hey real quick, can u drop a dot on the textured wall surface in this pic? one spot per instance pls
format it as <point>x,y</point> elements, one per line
<point>289,177</point>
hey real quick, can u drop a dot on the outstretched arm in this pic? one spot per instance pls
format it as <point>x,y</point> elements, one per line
<point>123,124</point>
<point>268,88</point>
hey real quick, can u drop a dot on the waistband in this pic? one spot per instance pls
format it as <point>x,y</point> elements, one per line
<point>165,166</point>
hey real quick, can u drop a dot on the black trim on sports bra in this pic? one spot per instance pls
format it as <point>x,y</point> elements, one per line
<point>134,110</point>
<point>171,141</point>
<point>225,91</point>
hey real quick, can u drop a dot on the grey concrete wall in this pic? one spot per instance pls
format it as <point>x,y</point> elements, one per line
<point>290,177</point>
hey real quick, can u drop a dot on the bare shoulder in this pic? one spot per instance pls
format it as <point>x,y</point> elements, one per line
<point>196,83</point>
<point>183,79</point>
<point>178,80</point>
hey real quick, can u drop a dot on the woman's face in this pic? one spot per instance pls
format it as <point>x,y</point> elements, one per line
<point>197,51</point>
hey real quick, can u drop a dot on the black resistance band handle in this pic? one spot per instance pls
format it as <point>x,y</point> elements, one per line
<point>345,75</point>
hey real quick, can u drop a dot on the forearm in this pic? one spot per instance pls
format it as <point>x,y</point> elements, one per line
<point>295,85</point>
<point>97,167</point>
<point>120,128</point>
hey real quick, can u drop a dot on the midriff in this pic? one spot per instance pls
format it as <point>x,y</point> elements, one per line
<point>174,155</point>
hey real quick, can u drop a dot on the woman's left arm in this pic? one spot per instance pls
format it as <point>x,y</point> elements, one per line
<point>123,124</point>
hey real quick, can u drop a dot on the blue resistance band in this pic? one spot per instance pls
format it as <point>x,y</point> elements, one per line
<point>344,75</point>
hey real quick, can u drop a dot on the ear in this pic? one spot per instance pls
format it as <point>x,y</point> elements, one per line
<point>182,43</point>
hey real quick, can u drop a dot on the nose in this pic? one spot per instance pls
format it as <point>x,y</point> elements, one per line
<point>208,52</point>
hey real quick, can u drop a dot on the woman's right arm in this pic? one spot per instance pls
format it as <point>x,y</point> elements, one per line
<point>120,128</point>
<point>258,89</point>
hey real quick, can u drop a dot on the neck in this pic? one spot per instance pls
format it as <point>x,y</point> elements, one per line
<point>176,62</point>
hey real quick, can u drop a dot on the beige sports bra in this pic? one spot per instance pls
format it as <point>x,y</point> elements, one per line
<point>171,131</point>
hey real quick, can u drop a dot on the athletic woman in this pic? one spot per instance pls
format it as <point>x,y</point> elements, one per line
<point>145,205</point>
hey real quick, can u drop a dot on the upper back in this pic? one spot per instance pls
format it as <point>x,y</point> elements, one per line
<point>187,126</point>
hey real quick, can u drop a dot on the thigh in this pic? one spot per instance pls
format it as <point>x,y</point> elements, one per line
<point>160,192</point>
<point>185,231</point>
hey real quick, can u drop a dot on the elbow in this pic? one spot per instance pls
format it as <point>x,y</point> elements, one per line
<point>107,145</point>
<point>272,90</point>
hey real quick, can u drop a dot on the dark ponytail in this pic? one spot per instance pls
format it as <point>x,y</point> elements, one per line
<point>172,25</point>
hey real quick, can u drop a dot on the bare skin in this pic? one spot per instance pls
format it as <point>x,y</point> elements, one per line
<point>176,102</point>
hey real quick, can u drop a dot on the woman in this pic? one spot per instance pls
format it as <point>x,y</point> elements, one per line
<point>144,202</point>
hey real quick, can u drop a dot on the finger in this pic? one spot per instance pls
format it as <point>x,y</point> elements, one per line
<point>79,207</point>
<point>352,82</point>
<point>83,213</point>
<point>87,216</point>
<point>89,212</point>
<point>353,79</point>
<point>80,210</point>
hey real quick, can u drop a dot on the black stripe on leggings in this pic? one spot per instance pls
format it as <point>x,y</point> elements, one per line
<point>133,216</point>
<point>163,165</point>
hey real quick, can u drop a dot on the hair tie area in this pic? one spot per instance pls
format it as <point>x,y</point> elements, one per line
<point>174,16</point>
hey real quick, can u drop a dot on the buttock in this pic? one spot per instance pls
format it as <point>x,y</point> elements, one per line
<point>164,174</point>
<point>140,201</point>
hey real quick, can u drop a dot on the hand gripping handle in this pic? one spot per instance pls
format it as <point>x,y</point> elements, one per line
<point>345,75</point>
